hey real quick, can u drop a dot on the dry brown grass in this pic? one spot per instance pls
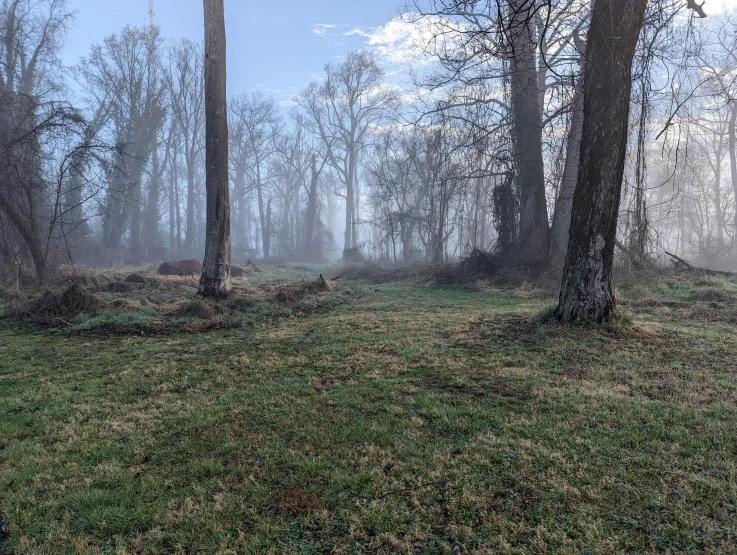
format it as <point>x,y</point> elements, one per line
<point>151,304</point>
<point>60,308</point>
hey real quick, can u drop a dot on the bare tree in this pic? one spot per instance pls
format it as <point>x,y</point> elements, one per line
<point>564,201</point>
<point>257,124</point>
<point>186,91</point>
<point>215,280</point>
<point>31,36</point>
<point>125,72</point>
<point>345,108</point>
<point>586,293</point>
<point>527,133</point>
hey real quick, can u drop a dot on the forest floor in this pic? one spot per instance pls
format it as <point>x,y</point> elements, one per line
<point>409,419</point>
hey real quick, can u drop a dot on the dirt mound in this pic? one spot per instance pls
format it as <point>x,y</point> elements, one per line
<point>196,309</point>
<point>242,271</point>
<point>64,308</point>
<point>182,268</point>
<point>136,278</point>
<point>289,294</point>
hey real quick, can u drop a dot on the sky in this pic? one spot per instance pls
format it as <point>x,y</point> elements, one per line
<point>276,47</point>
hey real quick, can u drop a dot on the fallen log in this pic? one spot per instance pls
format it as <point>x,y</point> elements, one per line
<point>693,268</point>
<point>681,261</point>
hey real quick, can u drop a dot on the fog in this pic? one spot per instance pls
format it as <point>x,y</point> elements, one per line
<point>421,161</point>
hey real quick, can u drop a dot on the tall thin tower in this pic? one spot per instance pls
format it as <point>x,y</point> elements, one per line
<point>151,13</point>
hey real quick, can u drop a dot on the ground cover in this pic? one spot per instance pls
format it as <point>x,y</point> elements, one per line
<point>414,419</point>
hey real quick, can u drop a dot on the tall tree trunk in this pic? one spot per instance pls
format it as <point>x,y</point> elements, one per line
<point>152,209</point>
<point>534,229</point>
<point>215,280</point>
<point>482,221</point>
<point>586,292</point>
<point>178,209</point>
<point>31,238</point>
<point>136,200</point>
<point>718,199</point>
<point>265,232</point>
<point>267,229</point>
<point>116,214</point>
<point>189,234</point>
<point>172,211</point>
<point>733,160</point>
<point>240,214</point>
<point>564,202</point>
<point>311,215</point>
<point>349,239</point>
<point>354,221</point>
<point>640,226</point>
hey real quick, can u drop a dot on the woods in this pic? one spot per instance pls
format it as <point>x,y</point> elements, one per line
<point>482,151</point>
<point>460,278</point>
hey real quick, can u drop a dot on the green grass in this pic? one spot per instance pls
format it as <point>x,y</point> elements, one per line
<point>142,315</point>
<point>378,427</point>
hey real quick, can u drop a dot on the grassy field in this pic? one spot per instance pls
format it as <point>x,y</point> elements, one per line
<point>410,420</point>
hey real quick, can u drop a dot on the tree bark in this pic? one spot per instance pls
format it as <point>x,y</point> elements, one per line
<point>311,215</point>
<point>267,230</point>
<point>733,158</point>
<point>534,229</point>
<point>564,202</point>
<point>215,280</point>
<point>586,292</point>
<point>40,259</point>
<point>173,250</point>
<point>349,239</point>
<point>153,238</point>
<point>189,234</point>
<point>263,219</point>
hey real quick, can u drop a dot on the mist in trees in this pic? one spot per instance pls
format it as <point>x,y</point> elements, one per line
<point>491,148</point>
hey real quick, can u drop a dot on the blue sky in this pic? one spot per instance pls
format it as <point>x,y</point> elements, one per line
<point>275,47</point>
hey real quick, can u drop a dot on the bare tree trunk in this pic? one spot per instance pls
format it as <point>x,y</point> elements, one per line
<point>586,293</point>
<point>31,238</point>
<point>189,234</point>
<point>349,239</point>
<point>527,136</point>
<point>564,202</point>
<point>733,159</point>
<point>240,215</point>
<point>152,209</point>
<point>263,219</point>
<point>215,280</point>
<point>311,215</point>
<point>718,199</point>
<point>267,230</point>
<point>354,221</point>
<point>173,251</point>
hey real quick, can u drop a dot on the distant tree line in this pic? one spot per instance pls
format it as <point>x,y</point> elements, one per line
<point>104,162</point>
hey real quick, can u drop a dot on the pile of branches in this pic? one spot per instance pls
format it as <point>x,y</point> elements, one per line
<point>477,264</point>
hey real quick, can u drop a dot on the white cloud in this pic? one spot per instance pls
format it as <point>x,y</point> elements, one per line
<point>404,40</point>
<point>323,29</point>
